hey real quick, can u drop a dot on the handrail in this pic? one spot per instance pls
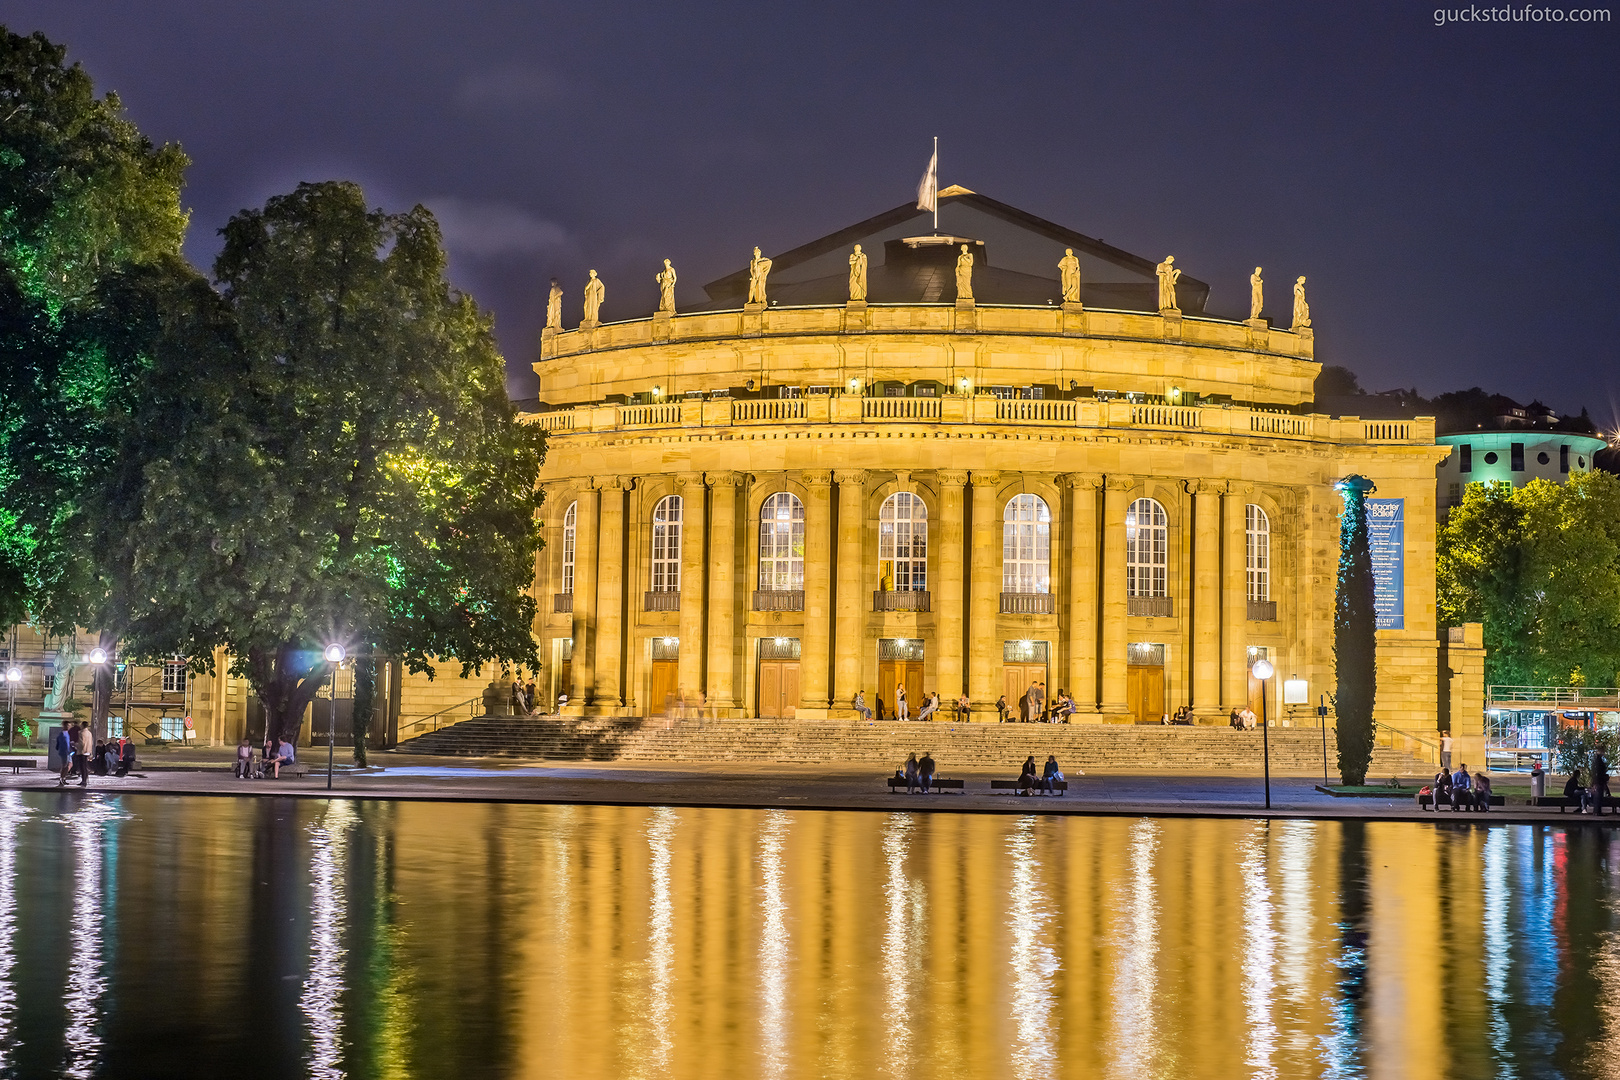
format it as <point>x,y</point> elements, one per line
<point>1434,748</point>
<point>407,725</point>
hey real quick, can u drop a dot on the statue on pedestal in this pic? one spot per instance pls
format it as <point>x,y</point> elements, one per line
<point>1302,310</point>
<point>758,268</point>
<point>1257,300</point>
<point>62,686</point>
<point>554,307</point>
<point>666,289</point>
<point>595,293</point>
<point>857,274</point>
<point>964,275</point>
<point>1069,273</point>
<point>1168,274</point>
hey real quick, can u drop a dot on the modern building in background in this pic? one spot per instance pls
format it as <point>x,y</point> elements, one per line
<point>1518,448</point>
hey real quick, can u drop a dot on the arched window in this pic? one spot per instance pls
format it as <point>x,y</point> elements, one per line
<point>1026,546</point>
<point>1257,529</point>
<point>570,522</point>
<point>903,543</point>
<point>1147,545</point>
<point>781,543</point>
<point>666,545</point>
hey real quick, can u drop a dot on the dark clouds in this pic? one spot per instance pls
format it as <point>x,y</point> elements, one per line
<point>1451,191</point>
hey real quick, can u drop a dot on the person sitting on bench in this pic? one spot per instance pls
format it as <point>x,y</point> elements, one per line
<point>126,757</point>
<point>284,756</point>
<point>1482,791</point>
<point>1441,791</point>
<point>925,771</point>
<point>930,706</point>
<point>1462,786</point>
<point>1051,773</point>
<point>911,773</point>
<point>1028,779</point>
<point>1575,791</point>
<point>244,760</point>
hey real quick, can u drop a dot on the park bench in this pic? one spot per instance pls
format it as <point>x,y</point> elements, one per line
<point>18,764</point>
<point>1559,801</point>
<point>898,783</point>
<point>1060,786</point>
<point>1425,798</point>
<point>297,770</point>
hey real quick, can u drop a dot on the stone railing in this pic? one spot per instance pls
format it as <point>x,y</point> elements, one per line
<point>1024,603</point>
<point>989,411</point>
<point>662,600</point>
<point>562,602</point>
<point>1152,607</point>
<point>1262,611</point>
<point>778,599</point>
<point>884,600</point>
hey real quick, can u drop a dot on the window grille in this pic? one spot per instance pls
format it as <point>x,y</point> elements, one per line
<point>903,543</point>
<point>1147,542</point>
<point>666,545</point>
<point>781,543</point>
<point>1257,530</point>
<point>1026,545</point>
<point>570,524</point>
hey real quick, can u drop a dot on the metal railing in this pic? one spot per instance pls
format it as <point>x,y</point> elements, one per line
<point>1549,698</point>
<point>1406,742</point>
<point>444,718</point>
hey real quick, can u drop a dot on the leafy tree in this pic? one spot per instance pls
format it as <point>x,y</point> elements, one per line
<point>1355,646</point>
<point>361,477</point>
<point>1335,380</point>
<point>1540,568</point>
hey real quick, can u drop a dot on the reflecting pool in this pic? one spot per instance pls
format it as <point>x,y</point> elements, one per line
<point>154,936</point>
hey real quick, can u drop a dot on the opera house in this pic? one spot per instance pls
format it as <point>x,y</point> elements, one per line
<point>962,461</point>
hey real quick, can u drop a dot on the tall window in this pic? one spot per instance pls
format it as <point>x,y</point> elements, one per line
<point>781,543</point>
<point>1147,545</point>
<point>666,545</point>
<point>570,522</point>
<point>1257,528</point>
<point>174,676</point>
<point>1026,546</point>
<point>903,543</point>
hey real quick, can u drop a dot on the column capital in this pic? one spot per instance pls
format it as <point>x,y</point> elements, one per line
<point>1079,481</point>
<point>844,477</point>
<point>613,483</point>
<point>1238,489</point>
<point>1205,487</point>
<point>1116,482</point>
<point>952,477</point>
<point>726,479</point>
<point>815,478</point>
<point>689,479</point>
<point>985,477</point>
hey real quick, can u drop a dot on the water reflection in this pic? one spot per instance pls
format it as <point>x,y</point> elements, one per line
<point>1135,1002</point>
<point>1259,954</point>
<point>897,944</point>
<point>773,947</point>
<point>1033,960</point>
<point>660,944</point>
<point>329,838</point>
<point>13,812</point>
<point>86,978</point>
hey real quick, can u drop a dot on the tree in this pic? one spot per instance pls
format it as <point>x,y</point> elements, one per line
<point>360,477</point>
<point>1355,645</point>
<point>1540,568</point>
<point>1337,381</point>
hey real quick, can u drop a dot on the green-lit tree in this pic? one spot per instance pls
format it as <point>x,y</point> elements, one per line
<point>360,477</point>
<point>1355,645</point>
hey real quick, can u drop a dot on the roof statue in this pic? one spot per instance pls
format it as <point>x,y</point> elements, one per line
<point>857,274</point>
<point>1167,283</point>
<point>554,306</point>
<point>666,288</point>
<point>964,276</point>
<point>1302,310</point>
<point>595,293</point>
<point>1069,276</point>
<point>758,269</point>
<point>1257,299</point>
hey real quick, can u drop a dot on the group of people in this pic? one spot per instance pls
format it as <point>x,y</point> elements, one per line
<point>1045,780</point>
<point>80,754</point>
<point>918,773</point>
<point>1243,719</point>
<point>902,710</point>
<point>522,697</point>
<point>1035,708</point>
<point>270,762</point>
<point>1588,790</point>
<point>1462,790</point>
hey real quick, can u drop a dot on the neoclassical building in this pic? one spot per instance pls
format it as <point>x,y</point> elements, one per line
<point>961,484</point>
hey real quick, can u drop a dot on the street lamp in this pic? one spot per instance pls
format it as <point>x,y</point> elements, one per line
<point>13,677</point>
<point>334,656</point>
<point>98,655</point>
<point>1263,670</point>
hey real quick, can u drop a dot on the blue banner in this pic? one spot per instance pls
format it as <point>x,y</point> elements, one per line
<point>1386,536</point>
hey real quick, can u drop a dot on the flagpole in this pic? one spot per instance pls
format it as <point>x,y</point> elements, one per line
<point>936,185</point>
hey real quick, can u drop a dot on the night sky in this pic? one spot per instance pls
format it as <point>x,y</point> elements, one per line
<point>1452,192</point>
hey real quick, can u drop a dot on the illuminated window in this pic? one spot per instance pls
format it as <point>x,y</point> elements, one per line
<point>666,545</point>
<point>174,676</point>
<point>1026,546</point>
<point>570,522</point>
<point>903,543</point>
<point>1257,530</point>
<point>781,543</point>
<point>1147,544</point>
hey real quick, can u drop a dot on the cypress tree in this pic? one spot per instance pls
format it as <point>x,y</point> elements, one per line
<point>1354,640</point>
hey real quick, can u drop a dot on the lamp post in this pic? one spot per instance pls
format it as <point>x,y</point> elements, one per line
<point>334,656</point>
<point>1263,670</point>
<point>98,659</point>
<point>13,677</point>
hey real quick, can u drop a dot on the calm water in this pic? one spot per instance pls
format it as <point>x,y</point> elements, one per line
<point>149,936</point>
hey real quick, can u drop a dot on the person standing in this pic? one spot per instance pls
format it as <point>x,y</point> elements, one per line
<point>64,752</point>
<point>81,761</point>
<point>900,702</point>
<point>1600,780</point>
<point>1445,750</point>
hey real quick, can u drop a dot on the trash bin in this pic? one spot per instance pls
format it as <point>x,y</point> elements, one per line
<point>1538,782</point>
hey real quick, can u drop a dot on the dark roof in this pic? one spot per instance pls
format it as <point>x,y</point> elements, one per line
<point>1015,253</point>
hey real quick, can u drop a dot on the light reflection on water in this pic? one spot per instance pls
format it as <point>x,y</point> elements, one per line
<point>355,939</point>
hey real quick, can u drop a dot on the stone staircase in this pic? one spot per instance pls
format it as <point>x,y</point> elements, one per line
<point>1296,751</point>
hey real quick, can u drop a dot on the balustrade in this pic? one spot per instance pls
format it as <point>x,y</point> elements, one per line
<point>1152,607</point>
<point>1022,603</point>
<point>915,600</point>
<point>778,599</point>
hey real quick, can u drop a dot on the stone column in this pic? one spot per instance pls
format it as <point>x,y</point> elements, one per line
<point>583,675</point>
<point>608,651</point>
<point>1082,621</point>
<point>851,604</point>
<point>1114,701</point>
<point>722,688</point>
<point>814,645</point>
<point>1206,597</point>
<point>984,597</point>
<point>947,589</point>
<point>1234,600</point>
<point>689,672</point>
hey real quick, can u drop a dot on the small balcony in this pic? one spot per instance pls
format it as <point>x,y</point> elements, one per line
<point>911,600</point>
<point>1150,607</point>
<point>1028,603</point>
<point>1262,611</point>
<point>661,601</point>
<point>778,599</point>
<point>562,602</point>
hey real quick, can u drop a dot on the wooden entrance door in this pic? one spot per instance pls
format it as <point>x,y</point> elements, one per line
<point>1016,679</point>
<point>661,699</point>
<point>1144,689</point>
<point>778,688</point>
<point>890,675</point>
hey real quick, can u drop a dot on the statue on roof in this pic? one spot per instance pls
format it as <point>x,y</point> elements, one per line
<point>758,268</point>
<point>1069,272</point>
<point>666,289</point>
<point>857,274</point>
<point>595,293</point>
<point>1302,310</point>
<point>554,307</point>
<point>1168,274</point>
<point>1257,299</point>
<point>964,275</point>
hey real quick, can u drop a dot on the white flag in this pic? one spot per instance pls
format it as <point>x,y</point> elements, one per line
<point>928,190</point>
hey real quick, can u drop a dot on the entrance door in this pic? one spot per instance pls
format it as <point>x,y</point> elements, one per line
<point>890,674</point>
<point>662,698</point>
<point>1144,682</point>
<point>778,688</point>
<point>1016,681</point>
